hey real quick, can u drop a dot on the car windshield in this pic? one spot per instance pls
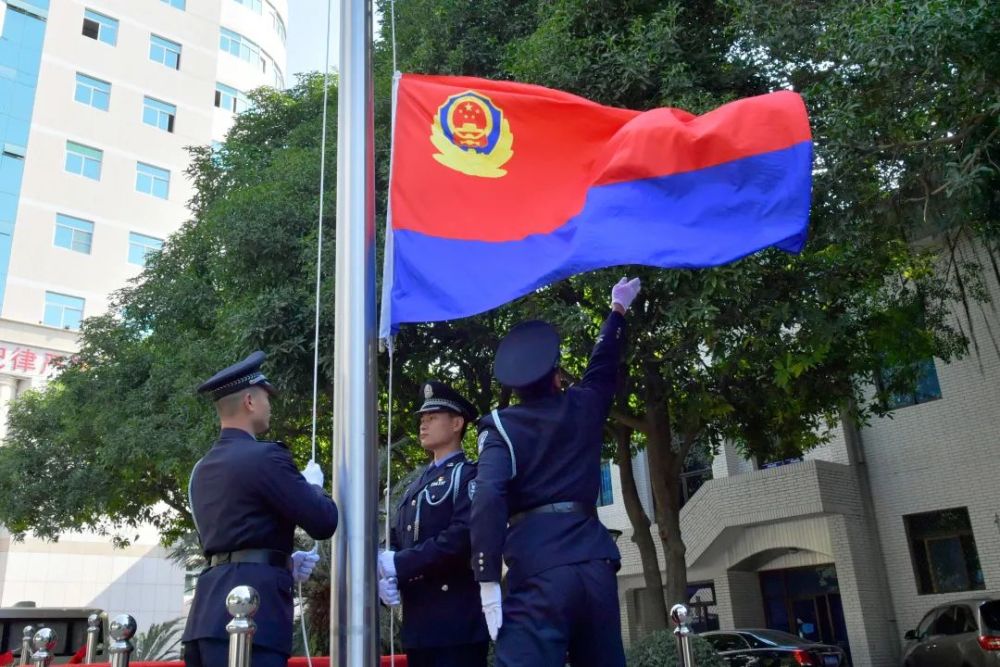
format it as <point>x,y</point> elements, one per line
<point>990,612</point>
<point>779,638</point>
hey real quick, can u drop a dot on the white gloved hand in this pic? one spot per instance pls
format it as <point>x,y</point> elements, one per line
<point>388,591</point>
<point>489,595</point>
<point>624,292</point>
<point>313,474</point>
<point>387,564</point>
<point>303,564</point>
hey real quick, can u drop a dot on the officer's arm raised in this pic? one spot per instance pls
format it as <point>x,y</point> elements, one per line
<point>296,499</point>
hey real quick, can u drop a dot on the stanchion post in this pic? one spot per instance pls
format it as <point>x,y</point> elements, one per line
<point>26,649</point>
<point>242,603</point>
<point>44,642</point>
<point>122,629</point>
<point>93,631</point>
<point>679,615</point>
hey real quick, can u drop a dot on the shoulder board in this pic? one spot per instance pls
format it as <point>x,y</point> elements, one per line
<point>279,443</point>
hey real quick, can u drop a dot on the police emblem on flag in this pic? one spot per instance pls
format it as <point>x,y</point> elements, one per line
<point>472,136</point>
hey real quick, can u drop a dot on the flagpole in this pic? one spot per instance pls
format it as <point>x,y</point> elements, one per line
<point>353,620</point>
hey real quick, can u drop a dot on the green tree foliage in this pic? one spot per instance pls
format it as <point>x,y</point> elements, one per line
<point>765,353</point>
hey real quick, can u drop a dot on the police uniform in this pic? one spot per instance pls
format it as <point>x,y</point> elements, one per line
<point>534,505</point>
<point>247,497</point>
<point>442,622</point>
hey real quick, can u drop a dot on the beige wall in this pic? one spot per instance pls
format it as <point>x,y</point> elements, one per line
<point>84,569</point>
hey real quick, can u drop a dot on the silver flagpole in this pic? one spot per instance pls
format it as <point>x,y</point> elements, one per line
<point>354,626</point>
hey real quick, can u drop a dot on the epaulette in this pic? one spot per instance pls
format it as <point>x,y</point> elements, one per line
<point>279,443</point>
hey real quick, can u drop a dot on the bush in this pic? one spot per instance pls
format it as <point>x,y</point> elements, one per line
<point>660,650</point>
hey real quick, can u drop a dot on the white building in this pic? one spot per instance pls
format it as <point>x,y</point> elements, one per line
<point>855,543</point>
<point>98,100</point>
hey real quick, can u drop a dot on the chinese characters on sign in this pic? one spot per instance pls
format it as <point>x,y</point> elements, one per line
<point>34,362</point>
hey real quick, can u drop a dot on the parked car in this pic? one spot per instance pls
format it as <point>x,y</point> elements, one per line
<point>772,648</point>
<point>965,633</point>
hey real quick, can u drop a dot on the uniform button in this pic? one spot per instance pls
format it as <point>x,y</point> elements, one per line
<point>480,568</point>
<point>433,497</point>
<point>481,554</point>
<point>409,528</point>
<point>445,588</point>
<point>413,503</point>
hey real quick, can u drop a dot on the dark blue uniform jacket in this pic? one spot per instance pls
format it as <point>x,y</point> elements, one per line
<point>248,494</point>
<point>556,457</point>
<point>441,604</point>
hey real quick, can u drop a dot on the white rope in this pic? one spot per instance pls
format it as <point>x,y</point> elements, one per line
<point>319,233</point>
<point>388,507</point>
<point>319,279</point>
<point>390,343</point>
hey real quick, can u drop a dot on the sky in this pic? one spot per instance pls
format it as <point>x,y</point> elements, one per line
<point>306,42</point>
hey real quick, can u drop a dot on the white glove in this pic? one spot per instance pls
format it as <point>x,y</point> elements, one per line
<point>388,591</point>
<point>387,564</point>
<point>313,474</point>
<point>489,595</point>
<point>624,292</point>
<point>303,564</point>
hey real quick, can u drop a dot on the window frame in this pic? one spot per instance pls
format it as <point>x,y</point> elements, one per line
<point>176,4</point>
<point>244,44</point>
<point>135,241</point>
<point>239,98</point>
<point>71,149</point>
<point>88,85</point>
<point>168,47</point>
<point>108,24</point>
<point>63,307</point>
<point>65,221</point>
<point>154,175</point>
<point>927,581</point>
<point>162,110</point>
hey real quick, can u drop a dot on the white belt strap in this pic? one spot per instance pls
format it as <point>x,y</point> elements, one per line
<point>506,438</point>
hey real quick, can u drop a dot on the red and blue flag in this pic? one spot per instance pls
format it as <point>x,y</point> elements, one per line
<point>499,188</point>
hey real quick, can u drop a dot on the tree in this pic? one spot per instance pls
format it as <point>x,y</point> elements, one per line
<point>112,442</point>
<point>770,351</point>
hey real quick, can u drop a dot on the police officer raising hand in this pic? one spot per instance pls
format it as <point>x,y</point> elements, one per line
<point>534,503</point>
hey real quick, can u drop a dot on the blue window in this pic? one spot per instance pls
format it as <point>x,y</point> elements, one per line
<point>239,46</point>
<point>179,4</point>
<point>140,245</point>
<point>74,233</point>
<point>158,114</point>
<point>276,23</point>
<point>607,496</point>
<point>230,99</point>
<point>83,160</point>
<point>254,5</point>
<point>152,180</point>
<point>165,52</point>
<point>100,27</point>
<point>923,385</point>
<point>63,311</point>
<point>92,92</point>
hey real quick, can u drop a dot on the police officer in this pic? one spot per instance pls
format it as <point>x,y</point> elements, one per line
<point>247,497</point>
<point>534,503</point>
<point>429,561</point>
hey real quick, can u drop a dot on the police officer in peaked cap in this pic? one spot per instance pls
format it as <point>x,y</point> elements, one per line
<point>247,497</point>
<point>428,560</point>
<point>534,504</point>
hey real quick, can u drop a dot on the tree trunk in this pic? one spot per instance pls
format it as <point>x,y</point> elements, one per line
<point>665,469</point>
<point>654,608</point>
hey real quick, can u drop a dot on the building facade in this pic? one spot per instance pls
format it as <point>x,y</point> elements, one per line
<point>854,543</point>
<point>98,101</point>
